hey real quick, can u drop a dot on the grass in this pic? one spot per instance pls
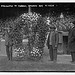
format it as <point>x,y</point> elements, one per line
<point>23,64</point>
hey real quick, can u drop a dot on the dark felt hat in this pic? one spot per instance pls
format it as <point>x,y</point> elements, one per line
<point>52,27</point>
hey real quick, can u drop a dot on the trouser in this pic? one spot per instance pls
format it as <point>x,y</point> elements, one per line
<point>73,56</point>
<point>9,52</point>
<point>52,53</point>
<point>10,48</point>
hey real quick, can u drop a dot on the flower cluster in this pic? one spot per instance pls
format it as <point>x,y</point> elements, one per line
<point>29,22</point>
<point>32,16</point>
<point>19,51</point>
<point>36,52</point>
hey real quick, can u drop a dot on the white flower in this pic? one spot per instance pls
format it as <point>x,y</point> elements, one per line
<point>31,52</point>
<point>23,51</point>
<point>39,54</point>
<point>17,49</point>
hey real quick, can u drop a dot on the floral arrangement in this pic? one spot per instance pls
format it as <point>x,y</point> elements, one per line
<point>27,23</point>
<point>39,39</point>
<point>30,22</point>
<point>36,53</point>
<point>42,29</point>
<point>37,28</point>
<point>31,17</point>
<point>20,51</point>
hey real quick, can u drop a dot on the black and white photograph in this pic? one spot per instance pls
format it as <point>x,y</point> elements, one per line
<point>37,37</point>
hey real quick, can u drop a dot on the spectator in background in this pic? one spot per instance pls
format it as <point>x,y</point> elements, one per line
<point>71,42</point>
<point>52,43</point>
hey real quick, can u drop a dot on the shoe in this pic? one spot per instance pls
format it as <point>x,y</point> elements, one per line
<point>72,61</point>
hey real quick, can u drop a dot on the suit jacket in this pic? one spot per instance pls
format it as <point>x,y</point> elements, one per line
<point>71,40</point>
<point>54,39</point>
<point>8,40</point>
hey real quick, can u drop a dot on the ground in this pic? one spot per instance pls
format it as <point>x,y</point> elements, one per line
<point>22,64</point>
<point>63,64</point>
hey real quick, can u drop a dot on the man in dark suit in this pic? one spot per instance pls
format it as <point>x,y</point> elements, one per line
<point>8,44</point>
<point>71,42</point>
<point>52,43</point>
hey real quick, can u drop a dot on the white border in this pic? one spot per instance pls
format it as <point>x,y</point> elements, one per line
<point>43,73</point>
<point>52,1</point>
<point>28,1</point>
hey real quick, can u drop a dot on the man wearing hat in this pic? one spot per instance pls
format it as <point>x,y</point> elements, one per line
<point>8,44</point>
<point>52,43</point>
<point>71,42</point>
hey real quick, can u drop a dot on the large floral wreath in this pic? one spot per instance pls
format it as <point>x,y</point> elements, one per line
<point>35,28</point>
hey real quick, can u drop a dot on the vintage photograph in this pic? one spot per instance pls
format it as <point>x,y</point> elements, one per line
<point>37,37</point>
